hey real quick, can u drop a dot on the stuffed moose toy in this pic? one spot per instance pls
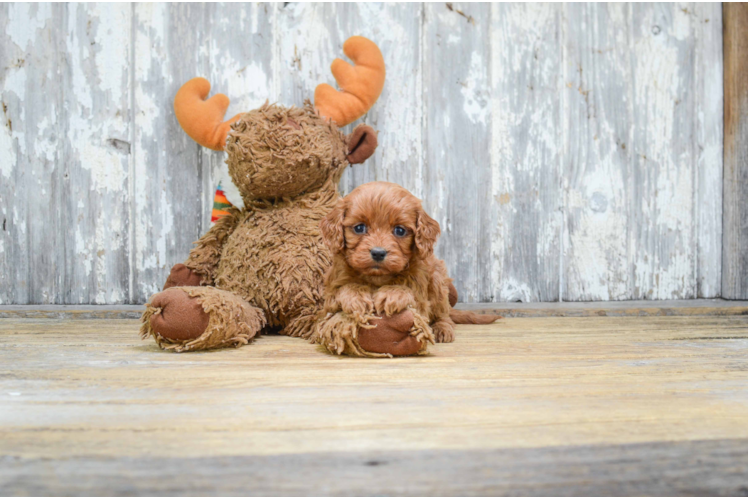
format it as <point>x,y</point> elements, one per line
<point>262,267</point>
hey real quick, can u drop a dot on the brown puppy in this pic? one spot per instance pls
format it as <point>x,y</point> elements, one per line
<point>383,264</point>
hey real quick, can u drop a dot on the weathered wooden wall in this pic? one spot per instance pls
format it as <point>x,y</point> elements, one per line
<point>569,151</point>
<point>735,234</point>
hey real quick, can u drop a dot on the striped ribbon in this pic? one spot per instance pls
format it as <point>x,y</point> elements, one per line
<point>220,205</point>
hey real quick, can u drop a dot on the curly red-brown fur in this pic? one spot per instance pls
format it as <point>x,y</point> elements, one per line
<point>383,219</point>
<point>377,218</point>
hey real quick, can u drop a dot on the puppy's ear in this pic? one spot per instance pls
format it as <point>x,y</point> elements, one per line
<point>362,143</point>
<point>332,227</point>
<point>427,232</point>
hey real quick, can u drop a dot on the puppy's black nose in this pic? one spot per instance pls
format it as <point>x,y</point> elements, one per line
<point>378,254</point>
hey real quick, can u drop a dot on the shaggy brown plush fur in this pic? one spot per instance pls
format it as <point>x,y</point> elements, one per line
<point>225,319</point>
<point>383,265</point>
<point>268,257</point>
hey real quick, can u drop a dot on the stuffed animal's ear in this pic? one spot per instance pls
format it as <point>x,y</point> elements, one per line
<point>332,227</point>
<point>362,143</point>
<point>427,232</point>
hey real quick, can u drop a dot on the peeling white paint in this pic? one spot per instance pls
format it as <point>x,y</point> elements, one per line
<point>248,84</point>
<point>83,251</point>
<point>14,87</point>
<point>113,38</point>
<point>18,222</point>
<point>15,82</point>
<point>25,19</point>
<point>45,144</point>
<point>167,224</point>
<point>8,158</point>
<point>682,28</point>
<point>91,126</point>
<point>474,90</point>
<point>512,290</point>
<point>230,190</point>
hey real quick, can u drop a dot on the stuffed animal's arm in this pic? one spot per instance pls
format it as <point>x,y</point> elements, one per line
<point>204,258</point>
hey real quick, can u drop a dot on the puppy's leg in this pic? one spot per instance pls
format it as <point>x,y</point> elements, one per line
<point>338,333</point>
<point>356,300</point>
<point>444,330</point>
<point>392,299</point>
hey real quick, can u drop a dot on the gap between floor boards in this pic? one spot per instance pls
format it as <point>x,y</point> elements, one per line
<point>696,307</point>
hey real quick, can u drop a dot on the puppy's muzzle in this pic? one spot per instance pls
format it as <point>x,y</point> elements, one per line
<point>378,254</point>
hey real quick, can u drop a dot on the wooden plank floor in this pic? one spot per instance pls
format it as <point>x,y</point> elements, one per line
<point>536,405</point>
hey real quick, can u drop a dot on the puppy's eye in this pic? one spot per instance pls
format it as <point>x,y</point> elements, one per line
<point>400,231</point>
<point>359,228</point>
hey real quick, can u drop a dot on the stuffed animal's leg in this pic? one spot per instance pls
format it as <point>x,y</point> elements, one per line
<point>182,275</point>
<point>301,325</point>
<point>403,334</point>
<point>195,318</point>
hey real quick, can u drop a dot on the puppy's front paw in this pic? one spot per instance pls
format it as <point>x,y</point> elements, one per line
<point>391,300</point>
<point>443,332</point>
<point>355,302</point>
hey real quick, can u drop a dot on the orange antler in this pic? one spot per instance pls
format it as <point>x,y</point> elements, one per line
<point>201,119</point>
<point>360,84</point>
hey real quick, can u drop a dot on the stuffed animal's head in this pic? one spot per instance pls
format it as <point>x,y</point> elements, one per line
<point>275,151</point>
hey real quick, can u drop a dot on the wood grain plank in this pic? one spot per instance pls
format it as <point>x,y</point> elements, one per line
<point>735,216</point>
<point>643,201</point>
<point>526,153</point>
<point>95,201</point>
<point>692,307</point>
<point>618,308</point>
<point>663,159</point>
<point>170,47</point>
<point>521,383</point>
<point>598,88</point>
<point>708,137</point>
<point>13,247</point>
<point>457,134</point>
<point>31,240</point>
<point>692,468</point>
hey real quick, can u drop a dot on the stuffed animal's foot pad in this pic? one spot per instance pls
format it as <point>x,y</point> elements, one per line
<point>180,318</point>
<point>182,275</point>
<point>391,335</point>
<point>402,334</point>
<point>195,318</point>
